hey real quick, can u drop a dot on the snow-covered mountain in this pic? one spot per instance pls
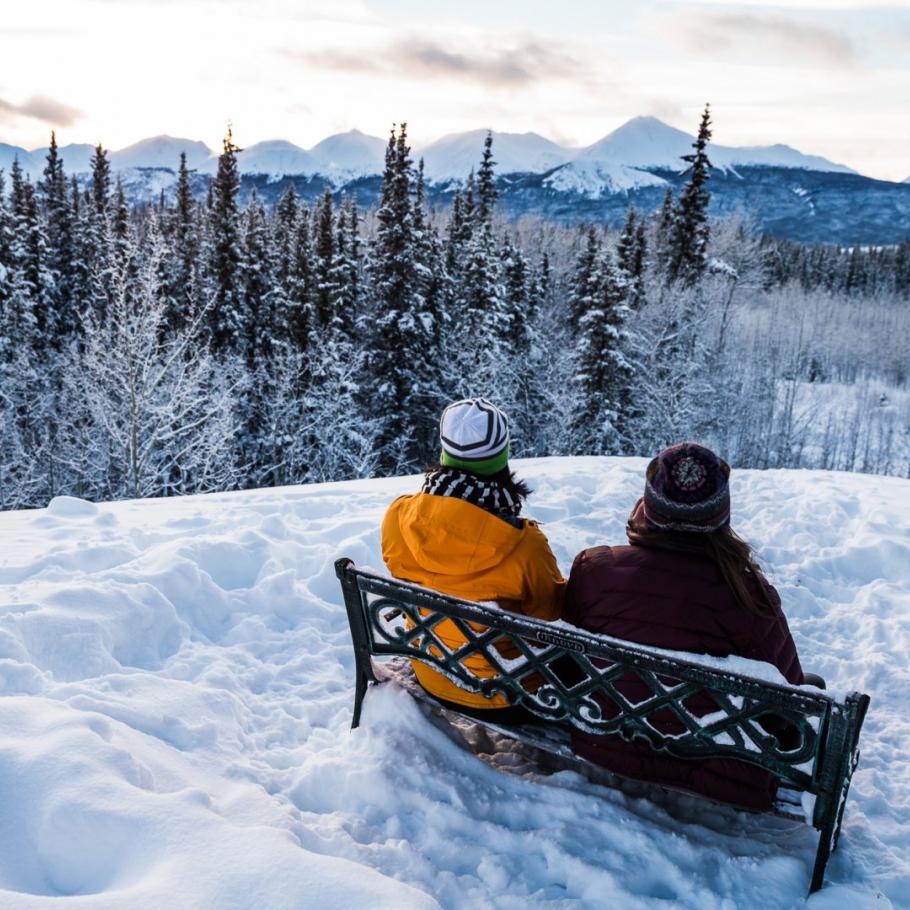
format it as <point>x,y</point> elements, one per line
<point>162,152</point>
<point>455,155</point>
<point>595,179</point>
<point>788,193</point>
<point>177,683</point>
<point>643,142</point>
<point>349,155</point>
<point>649,142</point>
<point>275,158</point>
<point>76,158</point>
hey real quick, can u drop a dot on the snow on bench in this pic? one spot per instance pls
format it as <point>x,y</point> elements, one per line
<point>568,666</point>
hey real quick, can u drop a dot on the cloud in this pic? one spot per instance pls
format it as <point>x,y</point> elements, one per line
<point>806,4</point>
<point>522,64</point>
<point>40,107</point>
<point>739,32</point>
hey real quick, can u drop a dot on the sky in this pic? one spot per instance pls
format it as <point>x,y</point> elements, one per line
<point>829,77</point>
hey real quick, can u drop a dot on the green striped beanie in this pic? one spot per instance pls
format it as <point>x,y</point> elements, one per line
<point>475,436</point>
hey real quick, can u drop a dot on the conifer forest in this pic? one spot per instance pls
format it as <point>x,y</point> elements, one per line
<point>196,345</point>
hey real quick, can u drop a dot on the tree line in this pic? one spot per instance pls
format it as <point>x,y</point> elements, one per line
<point>195,345</point>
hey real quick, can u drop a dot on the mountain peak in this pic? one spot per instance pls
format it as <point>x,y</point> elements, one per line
<point>161,152</point>
<point>454,155</point>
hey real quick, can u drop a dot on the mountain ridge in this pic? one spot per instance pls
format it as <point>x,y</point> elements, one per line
<point>642,142</point>
<point>782,191</point>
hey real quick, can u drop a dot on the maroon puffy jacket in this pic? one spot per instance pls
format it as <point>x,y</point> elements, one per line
<point>677,601</point>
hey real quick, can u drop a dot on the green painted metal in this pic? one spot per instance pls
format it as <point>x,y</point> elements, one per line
<point>562,673</point>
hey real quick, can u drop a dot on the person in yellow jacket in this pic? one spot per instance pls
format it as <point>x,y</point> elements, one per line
<point>462,535</point>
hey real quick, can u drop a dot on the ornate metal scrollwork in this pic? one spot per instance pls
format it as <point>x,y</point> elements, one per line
<point>555,679</point>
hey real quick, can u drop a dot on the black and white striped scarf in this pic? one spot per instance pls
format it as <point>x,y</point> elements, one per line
<point>485,493</point>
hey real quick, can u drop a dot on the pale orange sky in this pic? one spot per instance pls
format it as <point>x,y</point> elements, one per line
<point>830,77</point>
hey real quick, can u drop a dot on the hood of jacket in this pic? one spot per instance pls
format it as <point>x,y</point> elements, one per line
<point>448,536</point>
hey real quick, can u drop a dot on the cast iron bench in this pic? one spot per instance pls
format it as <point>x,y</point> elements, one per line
<point>391,618</point>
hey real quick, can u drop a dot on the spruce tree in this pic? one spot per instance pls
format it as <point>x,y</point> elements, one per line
<point>33,319</point>
<point>181,282</point>
<point>120,222</point>
<point>603,374</point>
<point>259,285</point>
<point>486,185</point>
<point>630,253</point>
<point>584,279</point>
<point>301,319</point>
<point>227,317</point>
<point>101,180</point>
<point>6,262</point>
<point>80,266</point>
<point>284,237</point>
<point>400,368</point>
<point>324,259</point>
<point>690,232</point>
<point>59,230</point>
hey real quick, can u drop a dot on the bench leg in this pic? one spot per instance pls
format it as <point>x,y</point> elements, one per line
<point>825,842</point>
<point>360,690</point>
<point>831,823</point>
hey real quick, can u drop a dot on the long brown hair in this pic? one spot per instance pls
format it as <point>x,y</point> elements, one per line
<point>725,548</point>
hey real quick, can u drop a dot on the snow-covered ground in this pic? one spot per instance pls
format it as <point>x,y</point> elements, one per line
<point>174,730</point>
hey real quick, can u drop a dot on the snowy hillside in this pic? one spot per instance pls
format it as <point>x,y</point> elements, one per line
<point>160,152</point>
<point>649,142</point>
<point>456,155</point>
<point>594,179</point>
<point>347,156</point>
<point>177,682</point>
<point>275,158</point>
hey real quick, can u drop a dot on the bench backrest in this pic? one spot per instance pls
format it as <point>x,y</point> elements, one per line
<point>390,617</point>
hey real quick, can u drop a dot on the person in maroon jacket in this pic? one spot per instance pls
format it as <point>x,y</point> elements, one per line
<point>686,582</point>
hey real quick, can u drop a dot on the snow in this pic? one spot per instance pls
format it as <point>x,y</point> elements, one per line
<point>596,178</point>
<point>276,158</point>
<point>649,142</point>
<point>163,152</point>
<point>177,682</point>
<point>347,156</point>
<point>456,155</point>
<point>643,142</point>
<point>76,159</point>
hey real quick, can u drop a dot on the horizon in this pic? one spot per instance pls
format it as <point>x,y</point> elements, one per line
<point>572,152</point>
<point>827,77</point>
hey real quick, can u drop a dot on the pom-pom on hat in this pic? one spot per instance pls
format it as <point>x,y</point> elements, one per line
<point>687,489</point>
<point>475,436</point>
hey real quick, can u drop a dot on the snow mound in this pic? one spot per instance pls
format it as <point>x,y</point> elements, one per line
<point>178,689</point>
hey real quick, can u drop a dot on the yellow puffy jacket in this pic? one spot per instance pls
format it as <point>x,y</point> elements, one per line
<point>458,548</point>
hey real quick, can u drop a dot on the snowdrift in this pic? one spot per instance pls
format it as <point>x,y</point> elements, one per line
<point>176,682</point>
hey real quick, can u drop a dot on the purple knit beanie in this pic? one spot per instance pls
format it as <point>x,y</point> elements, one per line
<point>686,489</point>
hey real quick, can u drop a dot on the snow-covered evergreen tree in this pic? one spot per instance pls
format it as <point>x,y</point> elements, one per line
<point>603,374</point>
<point>324,288</point>
<point>401,366</point>
<point>688,244</point>
<point>486,185</point>
<point>228,314</point>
